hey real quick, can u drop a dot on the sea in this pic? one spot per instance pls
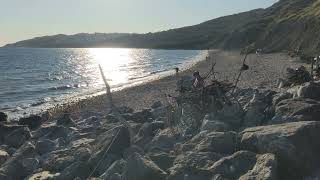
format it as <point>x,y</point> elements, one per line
<point>34,79</point>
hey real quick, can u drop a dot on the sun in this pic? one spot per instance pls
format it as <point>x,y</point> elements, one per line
<point>113,62</point>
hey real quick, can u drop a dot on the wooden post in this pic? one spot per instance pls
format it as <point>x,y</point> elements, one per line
<point>108,89</point>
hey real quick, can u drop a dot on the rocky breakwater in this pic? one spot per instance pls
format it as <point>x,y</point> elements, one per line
<point>207,134</point>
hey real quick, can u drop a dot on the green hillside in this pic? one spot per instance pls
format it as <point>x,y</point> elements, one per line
<point>286,25</point>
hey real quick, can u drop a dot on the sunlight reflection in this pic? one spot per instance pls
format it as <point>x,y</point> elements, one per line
<point>113,61</point>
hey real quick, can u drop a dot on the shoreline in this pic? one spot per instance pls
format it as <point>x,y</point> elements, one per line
<point>264,72</point>
<point>97,102</point>
<point>142,95</point>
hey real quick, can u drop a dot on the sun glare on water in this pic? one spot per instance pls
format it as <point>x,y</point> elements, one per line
<point>113,62</point>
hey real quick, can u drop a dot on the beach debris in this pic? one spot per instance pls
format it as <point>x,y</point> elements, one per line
<point>297,76</point>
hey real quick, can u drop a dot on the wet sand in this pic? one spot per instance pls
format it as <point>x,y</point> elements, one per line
<point>264,71</point>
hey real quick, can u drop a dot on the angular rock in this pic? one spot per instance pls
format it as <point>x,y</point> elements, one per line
<point>45,146</point>
<point>296,145</point>
<point>7,129</point>
<point>264,169</point>
<point>57,162</point>
<point>17,137</point>
<point>255,110</point>
<point>3,117</point>
<point>30,164</point>
<point>139,168</point>
<point>164,141</point>
<point>118,167</point>
<point>82,153</point>
<point>162,159</point>
<point>32,122</point>
<point>13,168</point>
<point>310,90</point>
<point>75,170</point>
<point>4,156</point>
<point>220,142</point>
<point>280,97</point>
<point>114,143</point>
<point>146,133</point>
<point>193,165</point>
<point>66,120</point>
<point>89,124</point>
<point>231,114</point>
<point>209,124</point>
<point>307,108</point>
<point>131,150</point>
<point>234,166</point>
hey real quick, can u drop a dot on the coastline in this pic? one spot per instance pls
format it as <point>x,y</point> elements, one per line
<point>264,72</point>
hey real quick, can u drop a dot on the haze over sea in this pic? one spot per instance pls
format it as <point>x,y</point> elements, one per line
<point>36,78</point>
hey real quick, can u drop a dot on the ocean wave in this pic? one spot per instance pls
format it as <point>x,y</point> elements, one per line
<point>68,86</point>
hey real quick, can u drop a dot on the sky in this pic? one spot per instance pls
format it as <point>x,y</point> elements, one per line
<point>25,19</point>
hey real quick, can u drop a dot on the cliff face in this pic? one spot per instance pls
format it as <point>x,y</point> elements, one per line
<point>287,24</point>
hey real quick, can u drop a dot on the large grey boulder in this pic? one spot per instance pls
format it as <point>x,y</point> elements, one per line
<point>14,168</point>
<point>57,161</point>
<point>52,132</point>
<point>256,109</point>
<point>234,166</point>
<point>6,129</point>
<point>232,114</point>
<point>164,141</point>
<point>66,120</point>
<point>193,165</point>
<point>30,164</point>
<point>17,137</point>
<point>280,97</point>
<point>45,146</point>
<point>162,159</point>
<point>264,169</point>
<point>109,147</point>
<point>307,108</point>
<point>140,168</point>
<point>77,169</point>
<point>131,150</point>
<point>32,121</point>
<point>220,142</point>
<point>147,132</point>
<point>296,145</point>
<point>310,90</point>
